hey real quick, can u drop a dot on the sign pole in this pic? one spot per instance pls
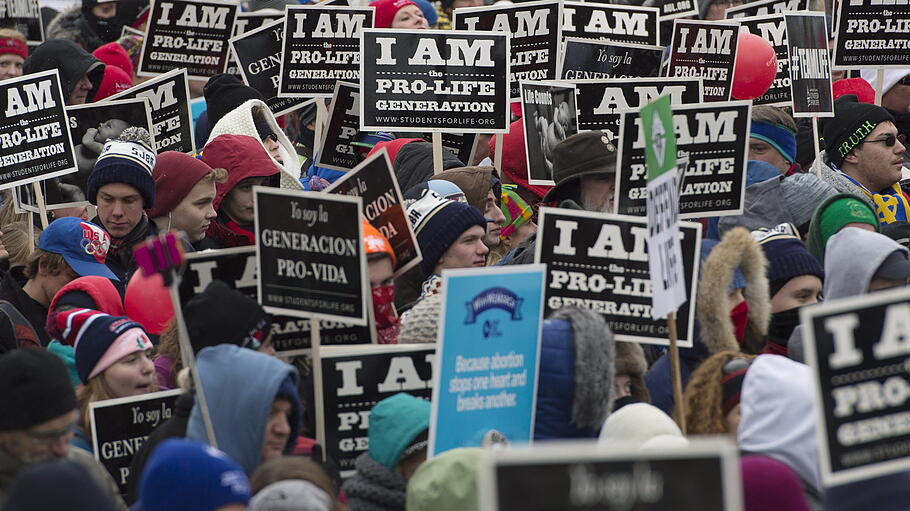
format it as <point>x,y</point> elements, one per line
<point>321,115</point>
<point>879,85</point>
<point>675,373</point>
<point>437,153</point>
<point>42,208</point>
<point>31,232</point>
<point>497,151</point>
<point>818,151</point>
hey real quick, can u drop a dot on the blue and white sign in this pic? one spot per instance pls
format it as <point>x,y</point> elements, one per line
<point>485,379</point>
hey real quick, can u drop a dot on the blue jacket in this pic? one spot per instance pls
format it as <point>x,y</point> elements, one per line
<point>659,380</point>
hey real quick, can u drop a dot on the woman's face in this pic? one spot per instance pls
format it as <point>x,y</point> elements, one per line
<point>132,375</point>
<point>409,16</point>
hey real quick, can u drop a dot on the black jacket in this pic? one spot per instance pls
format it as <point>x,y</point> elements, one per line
<point>120,256</point>
<point>11,291</point>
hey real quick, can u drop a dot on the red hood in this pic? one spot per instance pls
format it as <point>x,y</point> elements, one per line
<point>241,156</point>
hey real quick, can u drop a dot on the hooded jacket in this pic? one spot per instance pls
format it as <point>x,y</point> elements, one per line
<point>414,163</point>
<point>11,290</point>
<point>71,24</point>
<point>853,256</point>
<point>475,182</point>
<point>240,386</point>
<point>70,60</point>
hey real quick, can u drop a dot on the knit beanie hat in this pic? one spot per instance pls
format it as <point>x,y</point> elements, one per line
<point>852,123</point>
<point>375,243</point>
<point>225,92</point>
<point>635,424</point>
<point>787,257</point>
<point>74,489</point>
<point>514,159</point>
<point>802,192</point>
<point>115,80</point>
<point>857,86</point>
<point>515,209</point>
<point>175,175</point>
<point>291,495</point>
<point>385,11</point>
<point>779,136</point>
<point>428,10</point>
<point>112,54</point>
<point>36,388</point>
<point>247,325</point>
<point>101,340</point>
<point>771,484</point>
<point>394,424</point>
<point>447,482</point>
<point>842,212</point>
<point>12,46</point>
<point>438,223</point>
<point>127,159</point>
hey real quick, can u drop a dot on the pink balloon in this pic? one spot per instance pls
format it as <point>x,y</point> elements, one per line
<point>148,302</point>
<point>756,67</point>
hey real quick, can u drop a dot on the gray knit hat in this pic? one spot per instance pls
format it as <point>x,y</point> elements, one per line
<point>802,194</point>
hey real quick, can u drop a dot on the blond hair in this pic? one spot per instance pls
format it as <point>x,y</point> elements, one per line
<point>704,395</point>
<point>15,239</point>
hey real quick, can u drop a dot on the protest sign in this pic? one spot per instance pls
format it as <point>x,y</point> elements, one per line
<point>434,80</point>
<point>773,29</point>
<point>550,116</point>
<point>601,101</point>
<point>321,46</point>
<point>311,258</point>
<point>120,427</point>
<point>589,59</point>
<point>462,145</point>
<point>34,140</point>
<point>599,261</point>
<point>857,348</point>
<point>671,9</point>
<point>374,181</point>
<point>706,50</point>
<point>485,382</point>
<point>23,16</point>
<point>338,151</point>
<point>617,23</point>
<point>714,138</point>
<point>246,22</point>
<point>702,476</point>
<point>189,34</point>
<point>872,34</point>
<point>168,98</point>
<point>534,28</point>
<point>350,380</point>
<point>766,7</point>
<point>810,71</point>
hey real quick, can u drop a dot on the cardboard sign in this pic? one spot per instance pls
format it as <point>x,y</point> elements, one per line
<point>584,59</point>
<point>462,145</point>
<point>872,35</point>
<point>321,46</point>
<point>617,23</point>
<point>342,130</point>
<point>601,101</point>
<point>550,116</point>
<point>714,138</point>
<point>434,80</point>
<point>773,29</point>
<point>810,71</point>
<point>766,7</point>
<point>258,53</point>
<point>534,28</point>
<point>488,352</point>
<point>374,181</point>
<point>576,476</point>
<point>121,426</point>
<point>247,22</point>
<point>311,258</point>
<point>706,50</point>
<point>857,348</point>
<point>23,16</point>
<point>34,140</point>
<point>350,380</point>
<point>599,261</point>
<point>190,34</point>
<point>168,98</point>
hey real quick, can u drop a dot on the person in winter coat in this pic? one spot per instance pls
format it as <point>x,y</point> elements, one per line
<point>282,483</point>
<point>381,270</point>
<point>770,484</point>
<point>74,489</point>
<point>779,200</point>
<point>89,25</point>
<point>448,482</point>
<point>13,52</point>
<point>483,191</point>
<point>712,395</point>
<point>629,381</point>
<point>80,72</point>
<point>185,189</point>
<point>412,160</point>
<point>832,215</point>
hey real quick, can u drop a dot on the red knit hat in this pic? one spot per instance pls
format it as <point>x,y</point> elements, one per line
<point>112,54</point>
<point>392,147</point>
<point>115,80</point>
<point>857,86</point>
<point>514,160</point>
<point>175,175</point>
<point>10,46</point>
<point>385,11</point>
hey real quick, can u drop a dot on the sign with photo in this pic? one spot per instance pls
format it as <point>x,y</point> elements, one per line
<point>23,16</point>
<point>342,130</point>
<point>599,261</point>
<point>810,70</point>
<point>120,427</point>
<point>374,181</point>
<point>585,59</point>
<point>34,140</point>
<point>462,145</point>
<point>550,116</point>
<point>350,380</point>
<point>857,348</point>
<point>168,98</point>
<point>872,34</point>
<point>485,383</point>
<point>706,50</point>
<point>534,28</point>
<point>773,29</point>
<point>190,34</point>
<point>713,139</point>
<point>434,80</point>
<point>766,7</point>
<point>311,258</point>
<point>247,22</point>
<point>617,23</point>
<point>321,46</point>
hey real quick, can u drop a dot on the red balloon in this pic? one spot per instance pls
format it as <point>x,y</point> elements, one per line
<point>148,302</point>
<point>756,67</point>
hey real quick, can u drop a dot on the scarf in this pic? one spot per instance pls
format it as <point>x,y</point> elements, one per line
<point>374,487</point>
<point>890,204</point>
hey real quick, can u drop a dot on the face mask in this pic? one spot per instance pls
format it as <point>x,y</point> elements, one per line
<point>739,315</point>
<point>384,306</point>
<point>782,325</point>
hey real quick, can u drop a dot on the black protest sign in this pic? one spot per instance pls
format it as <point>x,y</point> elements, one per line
<point>311,258</point>
<point>618,23</point>
<point>23,16</point>
<point>434,80</point>
<point>247,22</point>
<point>810,70</point>
<point>550,116</point>
<point>671,9</point>
<point>858,351</point>
<point>584,59</point>
<point>168,97</point>
<point>706,50</point>
<point>34,140</point>
<point>773,29</point>
<point>121,426</point>
<point>534,28</point>
<point>601,101</point>
<point>766,7</point>
<point>258,53</point>
<point>714,140</point>
<point>350,380</point>
<point>190,34</point>
<point>374,181</point>
<point>321,46</point>
<point>872,34</point>
<point>462,145</point>
<point>599,261</point>
<point>338,151</point>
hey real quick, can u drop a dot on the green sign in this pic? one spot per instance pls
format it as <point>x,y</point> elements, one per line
<point>660,136</point>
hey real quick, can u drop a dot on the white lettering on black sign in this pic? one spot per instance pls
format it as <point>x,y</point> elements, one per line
<point>707,50</point>
<point>23,16</point>
<point>872,34</point>
<point>342,130</point>
<point>587,59</point>
<point>618,23</point>
<point>810,70</point>
<point>772,28</point>
<point>766,7</point>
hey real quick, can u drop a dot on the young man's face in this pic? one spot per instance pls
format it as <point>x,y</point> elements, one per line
<point>468,251</point>
<point>238,203</point>
<point>277,429</point>
<point>874,163</point>
<point>495,219</point>
<point>763,151</point>
<point>195,212</point>
<point>46,441</point>
<point>381,272</point>
<point>119,208</point>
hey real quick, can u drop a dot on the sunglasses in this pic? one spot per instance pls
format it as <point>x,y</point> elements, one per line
<point>736,365</point>
<point>889,140</point>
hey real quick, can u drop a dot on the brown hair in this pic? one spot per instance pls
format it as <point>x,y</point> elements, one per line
<point>96,389</point>
<point>217,176</point>
<point>704,395</point>
<point>773,115</point>
<point>16,241</point>
<point>9,33</point>
<point>295,467</point>
<point>53,263</point>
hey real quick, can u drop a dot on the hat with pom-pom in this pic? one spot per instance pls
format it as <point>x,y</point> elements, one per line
<point>127,159</point>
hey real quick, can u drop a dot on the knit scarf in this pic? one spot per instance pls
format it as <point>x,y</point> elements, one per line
<point>890,206</point>
<point>374,487</point>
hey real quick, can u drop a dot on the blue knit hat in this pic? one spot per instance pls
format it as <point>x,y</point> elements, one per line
<point>94,333</point>
<point>438,223</point>
<point>787,256</point>
<point>127,159</point>
<point>395,422</point>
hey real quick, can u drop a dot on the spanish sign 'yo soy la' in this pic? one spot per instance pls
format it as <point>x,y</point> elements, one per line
<point>872,34</point>
<point>706,50</point>
<point>590,59</point>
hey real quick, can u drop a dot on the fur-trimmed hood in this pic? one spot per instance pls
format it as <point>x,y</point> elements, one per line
<point>70,24</point>
<point>737,249</point>
<point>630,361</point>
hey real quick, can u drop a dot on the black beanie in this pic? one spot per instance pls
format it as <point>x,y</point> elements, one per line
<point>36,388</point>
<point>852,123</point>
<point>224,93</point>
<point>245,324</point>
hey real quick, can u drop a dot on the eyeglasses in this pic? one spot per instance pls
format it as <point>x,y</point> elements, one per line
<point>889,140</point>
<point>736,365</point>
